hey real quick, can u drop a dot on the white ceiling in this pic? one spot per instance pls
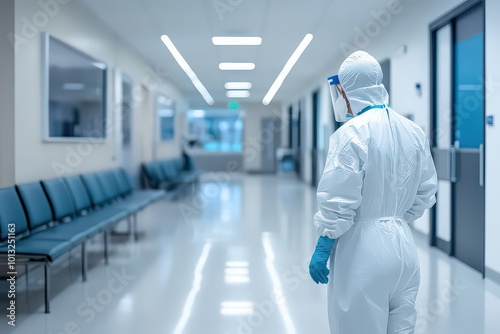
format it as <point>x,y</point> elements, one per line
<point>281,23</point>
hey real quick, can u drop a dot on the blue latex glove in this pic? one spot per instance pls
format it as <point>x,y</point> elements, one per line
<point>318,266</point>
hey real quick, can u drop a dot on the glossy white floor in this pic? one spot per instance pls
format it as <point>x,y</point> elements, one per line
<point>231,260</point>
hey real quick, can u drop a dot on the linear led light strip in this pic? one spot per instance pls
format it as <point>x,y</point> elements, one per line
<point>237,66</point>
<point>238,85</point>
<point>286,70</point>
<point>186,68</point>
<point>242,94</point>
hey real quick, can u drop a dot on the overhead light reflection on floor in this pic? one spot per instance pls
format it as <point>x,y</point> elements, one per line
<point>236,308</point>
<point>237,264</point>
<point>237,272</point>
<point>225,194</point>
<point>198,277</point>
<point>126,304</point>
<point>225,216</point>
<point>278,288</point>
<point>233,279</point>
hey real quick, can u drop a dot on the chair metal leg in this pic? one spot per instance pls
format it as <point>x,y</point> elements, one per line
<point>47,288</point>
<point>106,254</point>
<point>84,263</point>
<point>26,272</point>
<point>136,231</point>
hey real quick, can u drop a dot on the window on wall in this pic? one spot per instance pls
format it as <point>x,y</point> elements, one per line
<point>75,93</point>
<point>215,130</point>
<point>166,119</point>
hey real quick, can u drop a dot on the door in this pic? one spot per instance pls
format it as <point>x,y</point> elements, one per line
<point>290,127</point>
<point>386,69</point>
<point>458,138</point>
<point>468,241</point>
<point>270,145</point>
<point>297,126</point>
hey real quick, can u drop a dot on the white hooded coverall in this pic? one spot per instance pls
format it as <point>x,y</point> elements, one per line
<point>379,177</point>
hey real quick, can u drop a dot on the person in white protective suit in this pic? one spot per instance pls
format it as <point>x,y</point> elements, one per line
<point>379,177</point>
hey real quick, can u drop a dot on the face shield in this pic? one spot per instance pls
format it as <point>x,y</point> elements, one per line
<point>340,108</point>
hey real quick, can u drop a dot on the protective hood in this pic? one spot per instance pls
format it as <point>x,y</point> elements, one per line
<point>361,78</point>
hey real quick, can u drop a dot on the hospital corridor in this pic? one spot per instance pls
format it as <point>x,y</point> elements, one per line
<point>249,167</point>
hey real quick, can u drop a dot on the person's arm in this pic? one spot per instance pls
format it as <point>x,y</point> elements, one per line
<point>339,191</point>
<point>339,195</point>
<point>426,193</point>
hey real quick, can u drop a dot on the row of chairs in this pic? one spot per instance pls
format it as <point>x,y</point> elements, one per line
<point>170,173</point>
<point>52,217</point>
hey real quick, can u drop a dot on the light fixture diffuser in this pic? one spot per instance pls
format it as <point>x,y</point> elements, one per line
<point>238,85</point>
<point>237,66</point>
<point>186,68</point>
<point>287,68</point>
<point>234,94</point>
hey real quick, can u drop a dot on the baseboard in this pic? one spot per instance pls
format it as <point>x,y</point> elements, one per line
<point>443,245</point>
<point>492,275</point>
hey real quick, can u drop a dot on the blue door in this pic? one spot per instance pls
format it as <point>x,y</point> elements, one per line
<point>469,101</point>
<point>458,102</point>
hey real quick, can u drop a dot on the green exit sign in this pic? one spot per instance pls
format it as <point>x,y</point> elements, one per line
<point>234,105</point>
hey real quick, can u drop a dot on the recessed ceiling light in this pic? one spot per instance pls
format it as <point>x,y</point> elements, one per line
<point>238,85</point>
<point>237,66</point>
<point>186,68</point>
<point>233,94</point>
<point>223,40</point>
<point>287,68</point>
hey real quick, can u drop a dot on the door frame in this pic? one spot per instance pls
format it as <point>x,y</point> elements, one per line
<point>299,168</point>
<point>290,126</point>
<point>315,97</point>
<point>449,18</point>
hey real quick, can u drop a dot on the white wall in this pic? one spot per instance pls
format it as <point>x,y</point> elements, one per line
<point>492,136</point>
<point>7,114</point>
<point>77,26</point>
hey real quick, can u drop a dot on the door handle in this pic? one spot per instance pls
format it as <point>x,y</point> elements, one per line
<point>481,165</point>
<point>453,160</point>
